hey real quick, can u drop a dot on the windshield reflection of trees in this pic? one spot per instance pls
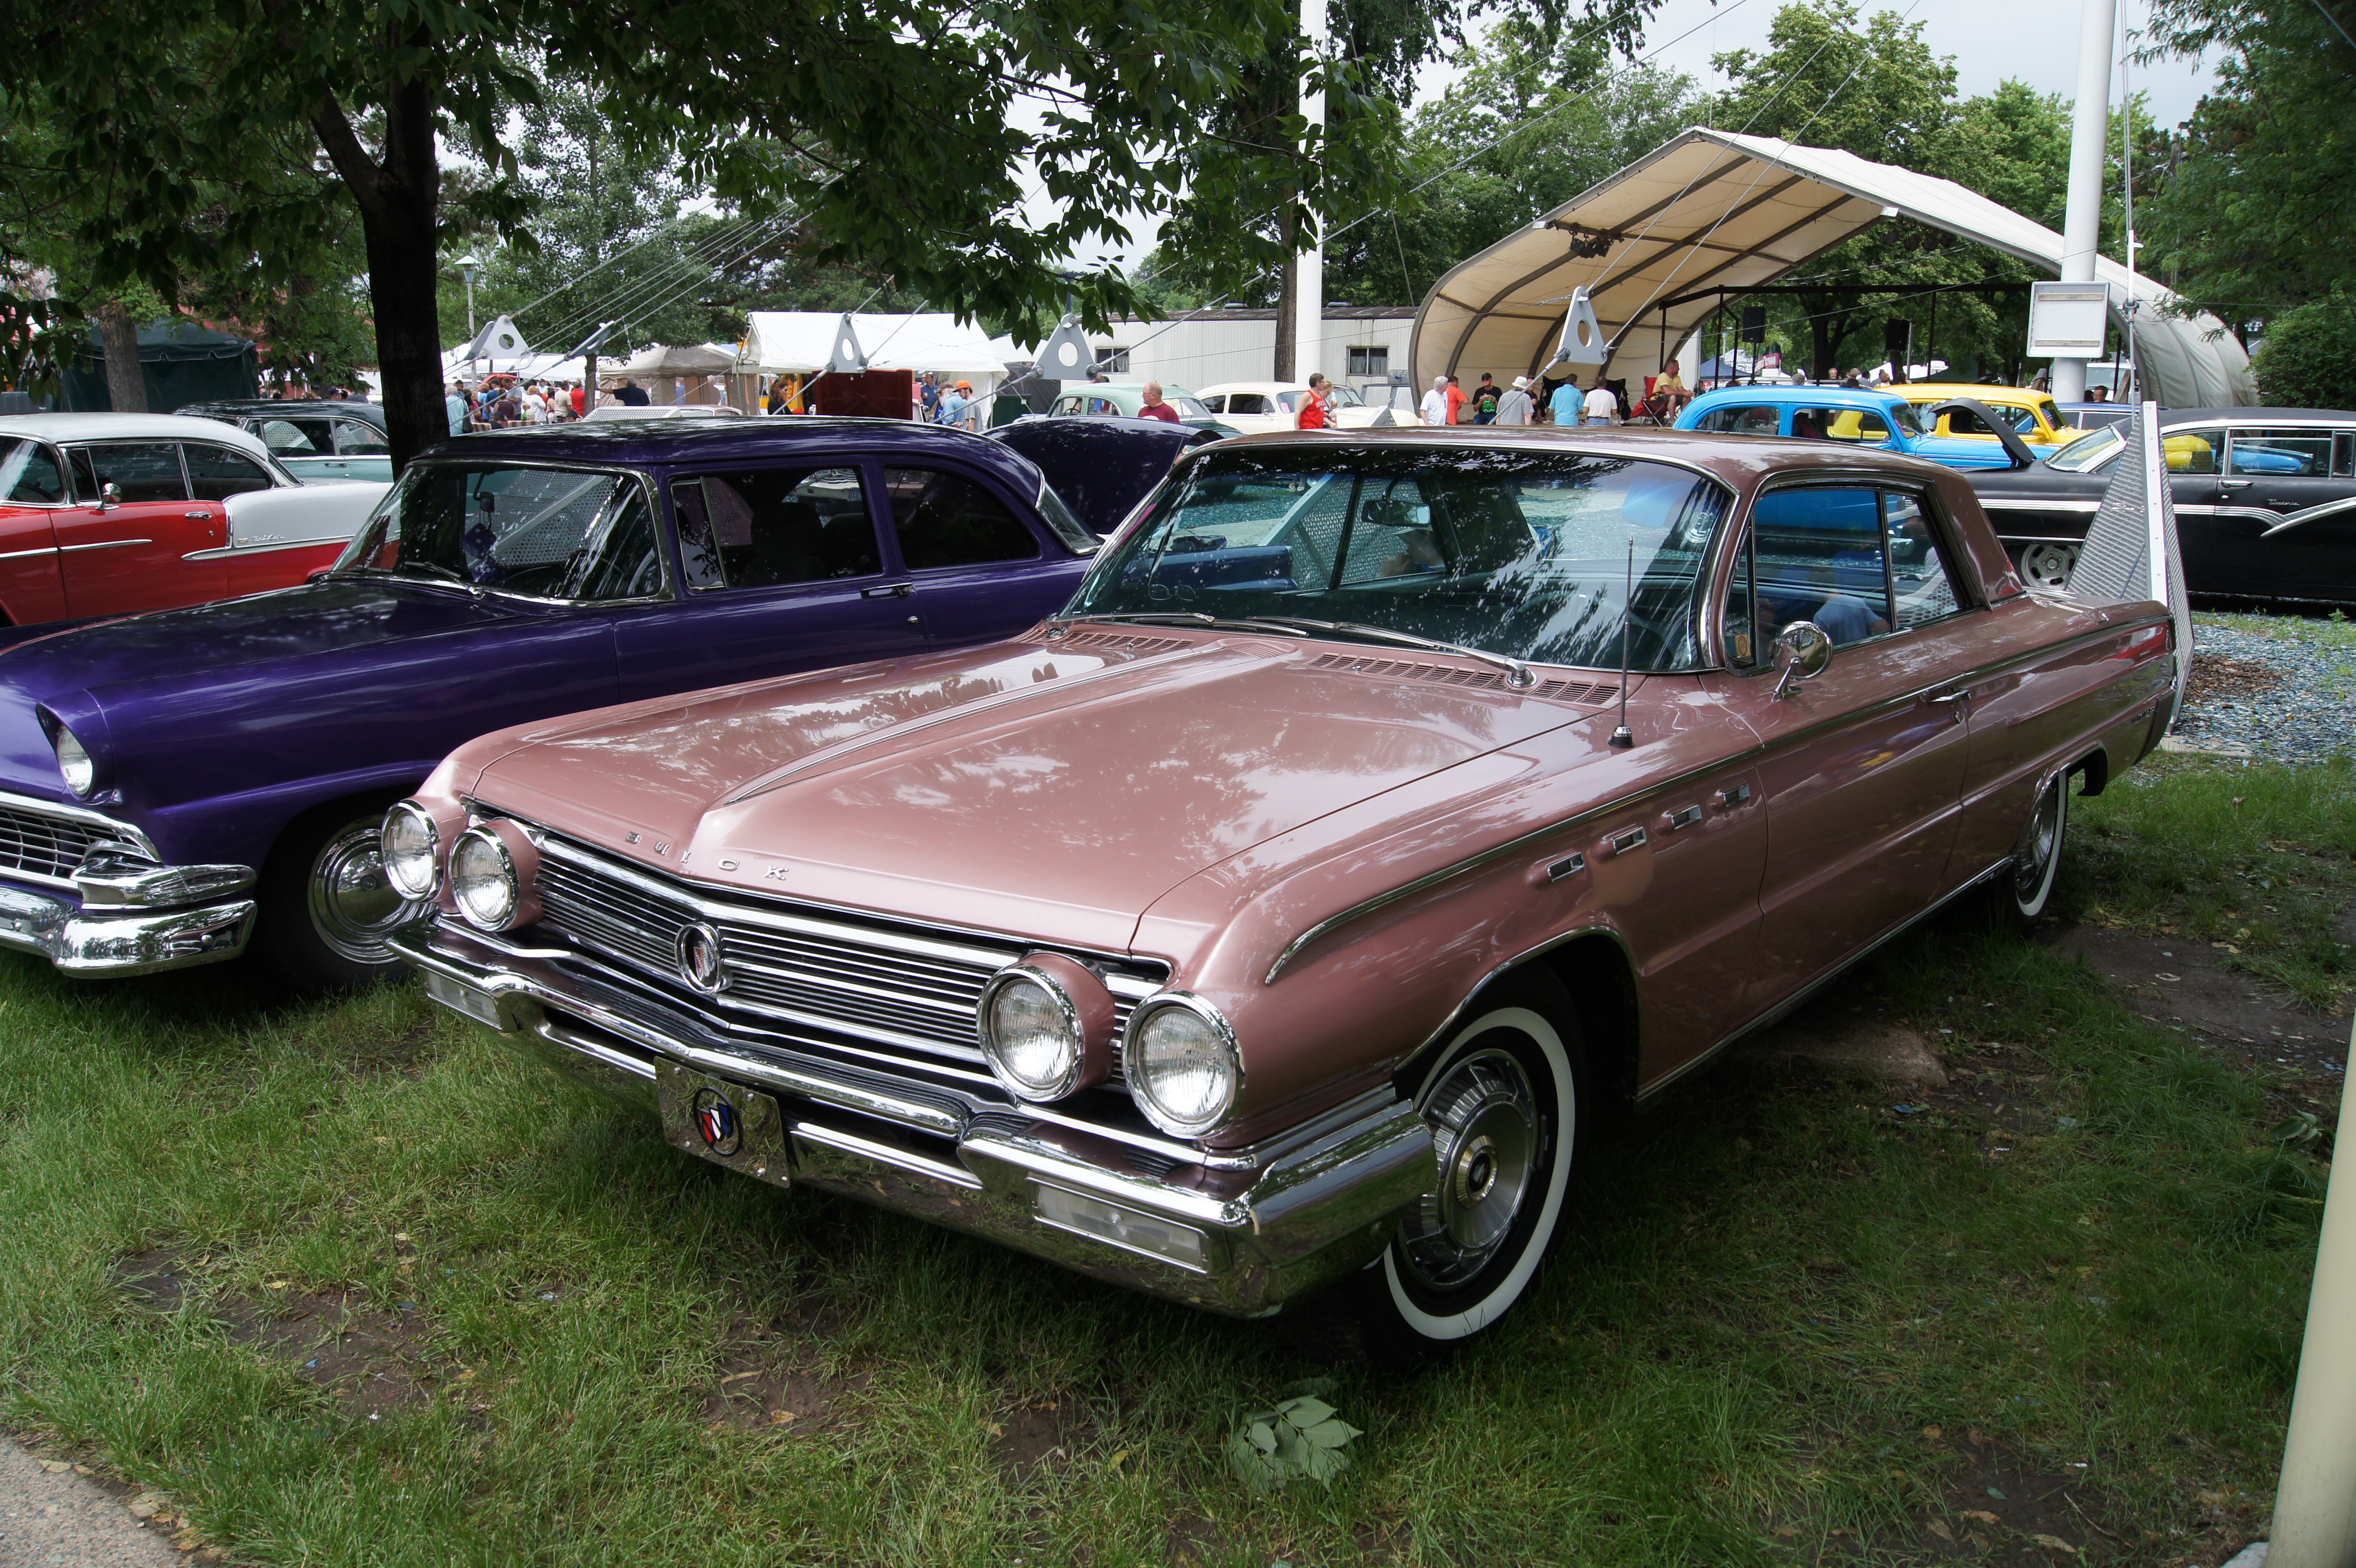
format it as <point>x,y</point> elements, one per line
<point>1519,554</point>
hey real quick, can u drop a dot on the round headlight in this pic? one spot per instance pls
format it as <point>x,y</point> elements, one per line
<point>80,772</point>
<point>1182,1065</point>
<point>491,868</point>
<point>410,845</point>
<point>1031,1038</point>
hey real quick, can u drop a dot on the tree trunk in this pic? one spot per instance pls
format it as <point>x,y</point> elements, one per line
<point>1288,318</point>
<point>126,384</point>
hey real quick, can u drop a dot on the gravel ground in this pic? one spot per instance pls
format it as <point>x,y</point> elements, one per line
<point>58,1519</point>
<point>2304,713</point>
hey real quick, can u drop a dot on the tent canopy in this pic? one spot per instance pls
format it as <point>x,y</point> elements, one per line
<point>181,361</point>
<point>680,360</point>
<point>1690,226</point>
<point>802,342</point>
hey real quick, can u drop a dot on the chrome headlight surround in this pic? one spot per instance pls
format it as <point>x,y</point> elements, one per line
<point>492,865</point>
<point>1083,1013</point>
<point>75,764</point>
<point>410,844</point>
<point>1211,1048</point>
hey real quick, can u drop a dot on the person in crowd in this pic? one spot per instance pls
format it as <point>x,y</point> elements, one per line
<point>928,397</point>
<point>456,407</point>
<point>630,395</point>
<point>1153,407</point>
<point>1435,401</point>
<point>1513,405</point>
<point>509,411</point>
<point>1316,409</point>
<point>1669,391</point>
<point>1456,401</point>
<point>1565,405</point>
<point>1484,401</point>
<point>2098,394</point>
<point>1600,406</point>
<point>579,397</point>
<point>959,406</point>
<point>535,406</point>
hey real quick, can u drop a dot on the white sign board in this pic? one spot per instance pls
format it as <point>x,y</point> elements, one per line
<point>2066,320</point>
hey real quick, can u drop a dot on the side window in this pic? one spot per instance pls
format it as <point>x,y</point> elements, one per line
<point>1862,426</point>
<point>1217,404</point>
<point>1247,402</point>
<point>1067,405</point>
<point>946,519</point>
<point>297,437</point>
<point>147,470</point>
<point>216,473</point>
<point>1859,562</point>
<point>1964,422</point>
<point>767,527</point>
<point>1739,421</point>
<point>358,438</point>
<point>2281,453</point>
<point>1918,572</point>
<point>2193,451</point>
<point>1742,632</point>
<point>623,561</point>
<point>29,472</point>
<point>2343,456</point>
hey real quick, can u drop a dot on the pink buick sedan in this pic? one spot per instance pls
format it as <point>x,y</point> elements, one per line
<point>1279,917</point>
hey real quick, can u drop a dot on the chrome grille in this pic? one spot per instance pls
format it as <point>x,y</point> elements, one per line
<point>913,991</point>
<point>44,846</point>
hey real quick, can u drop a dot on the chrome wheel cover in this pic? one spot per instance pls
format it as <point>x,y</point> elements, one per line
<point>2047,565</point>
<point>1487,1134</point>
<point>353,904</point>
<point>2032,861</point>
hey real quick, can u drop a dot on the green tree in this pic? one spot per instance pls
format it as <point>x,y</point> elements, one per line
<point>889,128</point>
<point>2307,357</point>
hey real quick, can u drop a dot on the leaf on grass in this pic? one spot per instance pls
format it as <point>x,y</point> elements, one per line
<point>1303,1437</point>
<point>1939,1528</point>
<point>738,1378</point>
<point>1118,1460</point>
<point>2053,1541</point>
<point>1982,1515</point>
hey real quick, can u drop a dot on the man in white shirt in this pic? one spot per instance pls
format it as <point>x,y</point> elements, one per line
<point>1514,405</point>
<point>1602,407</point>
<point>1435,401</point>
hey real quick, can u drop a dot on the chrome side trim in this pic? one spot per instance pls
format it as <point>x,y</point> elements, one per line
<point>21,555</point>
<point>106,544</point>
<point>223,552</point>
<point>2311,514</point>
<point>1992,503</point>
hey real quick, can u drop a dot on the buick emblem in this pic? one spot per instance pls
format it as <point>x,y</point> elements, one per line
<point>698,958</point>
<point>716,1121</point>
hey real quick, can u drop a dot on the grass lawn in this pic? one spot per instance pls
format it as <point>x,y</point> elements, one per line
<point>357,1288</point>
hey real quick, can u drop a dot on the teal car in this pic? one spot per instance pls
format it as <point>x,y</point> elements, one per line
<point>1123,398</point>
<point>312,440</point>
<point>1856,416</point>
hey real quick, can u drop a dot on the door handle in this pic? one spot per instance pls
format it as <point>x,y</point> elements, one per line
<point>1949,699</point>
<point>198,516</point>
<point>2235,484</point>
<point>888,591</point>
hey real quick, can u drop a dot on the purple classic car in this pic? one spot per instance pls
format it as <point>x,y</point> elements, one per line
<point>177,786</point>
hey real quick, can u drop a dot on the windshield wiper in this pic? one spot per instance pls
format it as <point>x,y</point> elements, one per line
<point>1192,617</point>
<point>1518,673</point>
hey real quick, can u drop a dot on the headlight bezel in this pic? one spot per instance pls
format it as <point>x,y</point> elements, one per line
<point>517,865</point>
<point>1140,1081</point>
<point>1088,1013</point>
<point>63,736</point>
<point>412,813</point>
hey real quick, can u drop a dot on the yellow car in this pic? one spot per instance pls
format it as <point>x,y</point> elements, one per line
<point>2032,415</point>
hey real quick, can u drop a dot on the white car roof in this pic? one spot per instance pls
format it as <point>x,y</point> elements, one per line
<point>1253,387</point>
<point>130,427</point>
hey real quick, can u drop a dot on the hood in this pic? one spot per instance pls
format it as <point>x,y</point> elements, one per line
<point>1041,789</point>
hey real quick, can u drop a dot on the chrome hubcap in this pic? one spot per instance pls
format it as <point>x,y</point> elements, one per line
<point>1485,1132</point>
<point>354,905</point>
<point>2047,565</point>
<point>2034,859</point>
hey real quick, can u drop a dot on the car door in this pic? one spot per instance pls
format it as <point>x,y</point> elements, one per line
<point>781,569</point>
<point>982,567</point>
<point>32,492</point>
<point>1862,768</point>
<point>215,474</point>
<point>2196,463</point>
<point>2285,521</point>
<point>154,547</point>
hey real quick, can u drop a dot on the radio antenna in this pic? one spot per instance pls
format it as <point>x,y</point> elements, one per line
<point>1620,739</point>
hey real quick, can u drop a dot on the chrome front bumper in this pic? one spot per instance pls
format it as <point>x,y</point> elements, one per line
<point>84,936</point>
<point>1240,1236</point>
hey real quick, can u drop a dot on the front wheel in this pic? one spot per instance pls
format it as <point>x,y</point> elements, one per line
<point>327,906</point>
<point>1508,1106</point>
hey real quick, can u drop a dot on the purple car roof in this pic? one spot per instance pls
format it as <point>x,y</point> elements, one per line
<point>749,438</point>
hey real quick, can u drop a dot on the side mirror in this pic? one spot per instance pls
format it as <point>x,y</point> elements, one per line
<point>109,495</point>
<point>1802,652</point>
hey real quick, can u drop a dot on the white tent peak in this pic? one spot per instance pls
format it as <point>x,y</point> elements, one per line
<point>1708,214</point>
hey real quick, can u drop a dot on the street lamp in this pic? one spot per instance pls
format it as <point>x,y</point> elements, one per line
<point>467,267</point>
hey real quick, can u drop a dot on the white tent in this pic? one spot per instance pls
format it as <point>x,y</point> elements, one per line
<point>802,342</point>
<point>1687,228</point>
<point>531,367</point>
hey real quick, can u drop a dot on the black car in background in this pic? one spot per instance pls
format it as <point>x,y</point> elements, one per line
<point>2266,502</point>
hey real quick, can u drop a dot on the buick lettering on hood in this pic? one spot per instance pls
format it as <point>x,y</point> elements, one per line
<point>1280,917</point>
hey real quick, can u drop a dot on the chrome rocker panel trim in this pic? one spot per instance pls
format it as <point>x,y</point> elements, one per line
<point>1300,1218</point>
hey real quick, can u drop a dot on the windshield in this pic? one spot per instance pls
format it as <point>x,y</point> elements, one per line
<point>2088,451</point>
<point>1520,554</point>
<point>545,533</point>
<point>1187,407</point>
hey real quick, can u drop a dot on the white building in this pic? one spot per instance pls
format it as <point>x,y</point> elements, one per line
<point>1365,346</point>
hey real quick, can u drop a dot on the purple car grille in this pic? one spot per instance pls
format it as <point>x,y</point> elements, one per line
<point>901,989</point>
<point>42,845</point>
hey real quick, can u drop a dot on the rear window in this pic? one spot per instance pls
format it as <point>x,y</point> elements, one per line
<point>769,527</point>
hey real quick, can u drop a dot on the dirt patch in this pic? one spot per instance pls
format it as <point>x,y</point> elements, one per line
<point>1846,1041</point>
<point>756,1392</point>
<point>1999,1509</point>
<point>2214,676</point>
<point>1037,1432</point>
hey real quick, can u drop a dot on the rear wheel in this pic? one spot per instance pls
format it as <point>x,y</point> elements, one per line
<point>2024,889</point>
<point>327,905</point>
<point>1509,1107</point>
<point>2046,566</point>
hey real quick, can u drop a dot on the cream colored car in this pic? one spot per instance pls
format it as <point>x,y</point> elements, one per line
<point>1258,407</point>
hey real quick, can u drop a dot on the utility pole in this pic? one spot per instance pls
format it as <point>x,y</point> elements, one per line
<point>1308,266</point>
<point>2089,137</point>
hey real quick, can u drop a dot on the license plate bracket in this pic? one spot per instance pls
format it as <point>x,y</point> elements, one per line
<point>724,1122</point>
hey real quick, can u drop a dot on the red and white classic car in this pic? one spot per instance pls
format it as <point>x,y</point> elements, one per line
<point>1278,917</point>
<point>107,514</point>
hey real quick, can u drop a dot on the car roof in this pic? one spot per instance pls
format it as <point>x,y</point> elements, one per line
<point>725,438</point>
<point>1131,385</point>
<point>126,427</point>
<point>373,412</point>
<point>1250,387</point>
<point>1811,393</point>
<point>1966,389</point>
<point>1737,460</point>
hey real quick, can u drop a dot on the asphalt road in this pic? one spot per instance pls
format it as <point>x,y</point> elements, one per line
<point>63,1521</point>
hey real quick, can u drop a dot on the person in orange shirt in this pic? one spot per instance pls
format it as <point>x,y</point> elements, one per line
<point>1315,408</point>
<point>1456,401</point>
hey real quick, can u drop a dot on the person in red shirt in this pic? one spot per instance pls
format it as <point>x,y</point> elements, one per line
<point>1456,401</point>
<point>1153,407</point>
<point>580,401</point>
<point>1316,408</point>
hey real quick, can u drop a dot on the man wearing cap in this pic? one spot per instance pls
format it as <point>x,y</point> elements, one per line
<point>1513,403</point>
<point>956,405</point>
<point>1153,407</point>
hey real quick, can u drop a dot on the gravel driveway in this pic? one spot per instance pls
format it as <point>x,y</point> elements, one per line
<point>2282,685</point>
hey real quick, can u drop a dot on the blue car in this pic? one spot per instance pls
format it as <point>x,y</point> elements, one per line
<point>1858,416</point>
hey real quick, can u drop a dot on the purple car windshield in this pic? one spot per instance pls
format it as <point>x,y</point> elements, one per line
<point>579,535</point>
<point>1523,555</point>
